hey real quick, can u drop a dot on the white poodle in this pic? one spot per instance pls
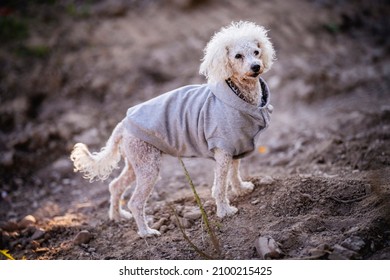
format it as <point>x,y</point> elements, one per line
<point>221,119</point>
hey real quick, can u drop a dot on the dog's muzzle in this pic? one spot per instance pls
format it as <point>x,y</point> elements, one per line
<point>256,69</point>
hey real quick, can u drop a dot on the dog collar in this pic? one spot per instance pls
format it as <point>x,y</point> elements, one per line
<point>236,90</point>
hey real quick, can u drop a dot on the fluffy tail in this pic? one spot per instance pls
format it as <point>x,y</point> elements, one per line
<point>98,166</point>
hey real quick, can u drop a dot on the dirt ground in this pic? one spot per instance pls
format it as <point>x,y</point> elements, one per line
<point>70,70</point>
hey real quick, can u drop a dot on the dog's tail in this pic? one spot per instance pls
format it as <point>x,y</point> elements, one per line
<point>98,166</point>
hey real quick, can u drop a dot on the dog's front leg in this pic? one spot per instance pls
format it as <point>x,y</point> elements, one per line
<point>219,190</point>
<point>239,186</point>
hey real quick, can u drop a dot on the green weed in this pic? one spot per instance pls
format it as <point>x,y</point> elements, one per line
<point>205,219</point>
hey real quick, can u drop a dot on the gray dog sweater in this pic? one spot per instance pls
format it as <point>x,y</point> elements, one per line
<point>193,120</point>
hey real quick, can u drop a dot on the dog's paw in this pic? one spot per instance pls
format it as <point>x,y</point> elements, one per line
<point>149,232</point>
<point>125,214</point>
<point>246,187</point>
<point>243,189</point>
<point>225,211</point>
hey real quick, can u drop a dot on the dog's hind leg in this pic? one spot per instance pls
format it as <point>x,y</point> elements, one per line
<point>219,190</point>
<point>146,160</point>
<point>117,187</point>
<point>239,187</point>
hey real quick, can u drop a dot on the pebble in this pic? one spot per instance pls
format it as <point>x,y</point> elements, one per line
<point>163,228</point>
<point>185,222</point>
<point>352,230</point>
<point>27,221</point>
<point>254,202</point>
<point>91,250</point>
<point>39,233</point>
<point>266,180</point>
<point>268,248</point>
<point>82,237</point>
<point>341,253</point>
<point>193,215</point>
<point>157,225</point>
<point>354,243</point>
<point>319,251</point>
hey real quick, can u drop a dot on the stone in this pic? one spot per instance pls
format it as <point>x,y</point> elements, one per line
<point>185,223</point>
<point>341,253</point>
<point>27,221</point>
<point>193,215</point>
<point>163,228</point>
<point>38,233</point>
<point>83,237</point>
<point>254,202</point>
<point>354,243</point>
<point>157,225</point>
<point>266,180</point>
<point>318,252</point>
<point>268,248</point>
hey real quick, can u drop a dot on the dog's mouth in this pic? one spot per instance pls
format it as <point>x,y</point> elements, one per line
<point>254,74</point>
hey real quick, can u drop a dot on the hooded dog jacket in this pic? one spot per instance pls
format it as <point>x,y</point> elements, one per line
<point>193,120</point>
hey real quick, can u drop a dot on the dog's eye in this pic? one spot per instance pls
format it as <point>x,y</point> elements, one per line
<point>238,56</point>
<point>256,53</point>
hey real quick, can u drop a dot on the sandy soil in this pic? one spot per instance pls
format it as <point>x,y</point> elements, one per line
<point>322,179</point>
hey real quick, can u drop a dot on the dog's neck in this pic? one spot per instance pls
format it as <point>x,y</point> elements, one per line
<point>248,90</point>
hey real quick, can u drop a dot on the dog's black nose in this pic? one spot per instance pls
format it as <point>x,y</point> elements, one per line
<point>255,68</point>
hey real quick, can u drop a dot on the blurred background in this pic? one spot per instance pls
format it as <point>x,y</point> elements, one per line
<point>69,70</point>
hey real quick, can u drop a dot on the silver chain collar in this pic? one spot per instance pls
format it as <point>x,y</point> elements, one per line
<point>236,90</point>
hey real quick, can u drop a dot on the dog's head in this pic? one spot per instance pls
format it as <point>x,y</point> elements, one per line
<point>241,49</point>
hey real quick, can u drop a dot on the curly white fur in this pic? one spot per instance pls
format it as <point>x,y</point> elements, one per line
<point>239,52</point>
<point>216,65</point>
<point>98,166</point>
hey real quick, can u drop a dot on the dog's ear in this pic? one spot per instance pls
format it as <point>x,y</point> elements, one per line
<point>267,49</point>
<point>267,56</point>
<point>215,64</point>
